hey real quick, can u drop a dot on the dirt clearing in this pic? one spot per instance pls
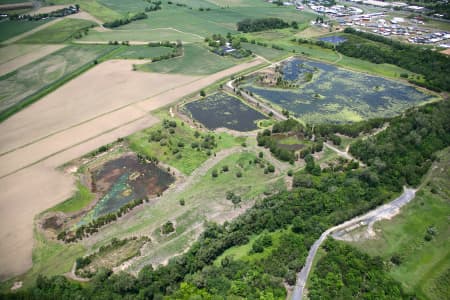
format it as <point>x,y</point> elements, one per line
<point>35,53</point>
<point>96,108</point>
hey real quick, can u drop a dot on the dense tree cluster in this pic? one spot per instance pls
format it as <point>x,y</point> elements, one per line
<point>346,273</point>
<point>120,22</point>
<point>432,65</point>
<point>403,152</point>
<point>252,25</point>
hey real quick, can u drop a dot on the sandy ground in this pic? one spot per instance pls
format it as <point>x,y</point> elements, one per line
<point>27,58</point>
<point>96,108</point>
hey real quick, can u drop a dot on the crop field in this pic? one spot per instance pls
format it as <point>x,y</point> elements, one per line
<point>144,35</point>
<point>18,85</point>
<point>125,7</point>
<point>424,265</point>
<point>123,180</point>
<point>223,110</point>
<point>9,29</point>
<point>142,52</point>
<point>216,20</point>
<point>95,8</point>
<point>15,56</point>
<point>338,95</point>
<point>183,149</point>
<point>195,61</point>
<point>59,32</point>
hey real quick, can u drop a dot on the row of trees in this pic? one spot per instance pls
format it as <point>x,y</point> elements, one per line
<point>121,22</point>
<point>432,65</point>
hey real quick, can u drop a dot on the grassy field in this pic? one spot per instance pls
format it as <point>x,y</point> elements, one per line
<point>144,35</point>
<point>195,61</point>
<point>168,150</point>
<point>141,52</point>
<point>94,8</point>
<point>425,265</point>
<point>16,86</point>
<point>13,51</point>
<point>243,252</point>
<point>125,7</point>
<point>78,201</point>
<point>61,32</point>
<point>217,19</point>
<point>266,52</point>
<point>9,29</point>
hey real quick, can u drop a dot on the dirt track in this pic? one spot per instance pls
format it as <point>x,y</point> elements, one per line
<point>105,103</point>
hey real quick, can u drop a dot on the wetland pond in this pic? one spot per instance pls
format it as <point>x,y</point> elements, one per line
<point>336,95</point>
<point>223,110</point>
<point>123,180</point>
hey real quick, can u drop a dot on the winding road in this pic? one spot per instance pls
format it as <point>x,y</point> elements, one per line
<point>382,212</point>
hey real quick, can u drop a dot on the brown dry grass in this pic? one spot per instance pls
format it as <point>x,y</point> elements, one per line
<point>107,102</point>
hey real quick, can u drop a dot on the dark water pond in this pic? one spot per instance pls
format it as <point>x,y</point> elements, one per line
<point>125,179</point>
<point>335,39</point>
<point>338,95</point>
<point>223,110</point>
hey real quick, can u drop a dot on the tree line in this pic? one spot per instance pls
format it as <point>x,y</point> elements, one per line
<point>432,65</point>
<point>252,25</point>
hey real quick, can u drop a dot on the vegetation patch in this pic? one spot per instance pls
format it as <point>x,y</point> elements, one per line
<point>109,256</point>
<point>60,32</point>
<point>178,145</point>
<point>83,196</point>
<point>142,52</point>
<point>223,110</point>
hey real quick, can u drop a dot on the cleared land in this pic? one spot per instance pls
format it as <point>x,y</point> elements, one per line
<point>15,56</point>
<point>33,189</point>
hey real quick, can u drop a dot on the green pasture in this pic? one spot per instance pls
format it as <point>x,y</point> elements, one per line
<point>60,32</point>
<point>141,52</point>
<point>424,264</point>
<point>82,197</point>
<point>9,29</point>
<point>144,35</point>
<point>125,7</point>
<point>267,52</point>
<point>95,8</point>
<point>196,60</point>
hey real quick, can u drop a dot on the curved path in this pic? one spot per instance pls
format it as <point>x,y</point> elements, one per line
<point>382,212</point>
